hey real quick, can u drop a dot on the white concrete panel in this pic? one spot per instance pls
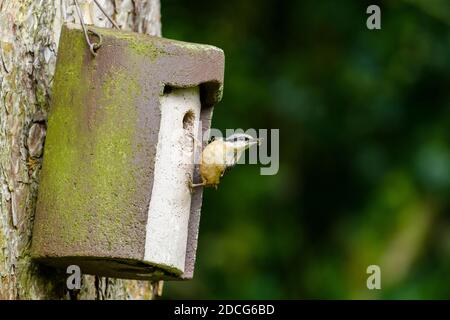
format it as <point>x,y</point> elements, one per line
<point>169,208</point>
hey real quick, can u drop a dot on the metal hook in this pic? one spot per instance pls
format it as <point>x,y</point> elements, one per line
<point>93,46</point>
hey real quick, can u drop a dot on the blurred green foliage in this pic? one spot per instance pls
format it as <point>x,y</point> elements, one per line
<point>364,119</point>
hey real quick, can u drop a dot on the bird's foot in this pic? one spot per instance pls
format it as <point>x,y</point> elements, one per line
<point>195,185</point>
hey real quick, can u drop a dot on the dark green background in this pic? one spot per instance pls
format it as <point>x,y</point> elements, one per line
<point>364,119</point>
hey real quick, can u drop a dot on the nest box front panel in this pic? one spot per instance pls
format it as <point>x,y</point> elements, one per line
<point>114,194</point>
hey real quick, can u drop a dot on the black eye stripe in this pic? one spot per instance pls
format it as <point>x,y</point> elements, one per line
<point>241,139</point>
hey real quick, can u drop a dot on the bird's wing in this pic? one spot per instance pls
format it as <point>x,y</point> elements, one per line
<point>230,158</point>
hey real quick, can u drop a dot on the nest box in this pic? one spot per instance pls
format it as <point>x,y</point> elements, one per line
<point>114,196</point>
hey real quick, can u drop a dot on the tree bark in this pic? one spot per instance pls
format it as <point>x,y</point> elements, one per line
<point>29,34</point>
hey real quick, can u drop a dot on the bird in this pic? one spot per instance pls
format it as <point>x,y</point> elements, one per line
<point>222,154</point>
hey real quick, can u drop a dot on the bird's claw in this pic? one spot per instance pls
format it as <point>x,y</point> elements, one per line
<point>195,185</point>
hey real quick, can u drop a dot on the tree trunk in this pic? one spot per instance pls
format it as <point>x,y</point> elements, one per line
<point>29,34</point>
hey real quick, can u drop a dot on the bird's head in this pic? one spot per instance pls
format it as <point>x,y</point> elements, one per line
<point>241,141</point>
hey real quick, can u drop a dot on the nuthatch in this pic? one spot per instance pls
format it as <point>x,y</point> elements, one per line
<point>220,155</point>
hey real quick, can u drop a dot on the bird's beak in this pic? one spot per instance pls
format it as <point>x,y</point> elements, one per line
<point>254,141</point>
